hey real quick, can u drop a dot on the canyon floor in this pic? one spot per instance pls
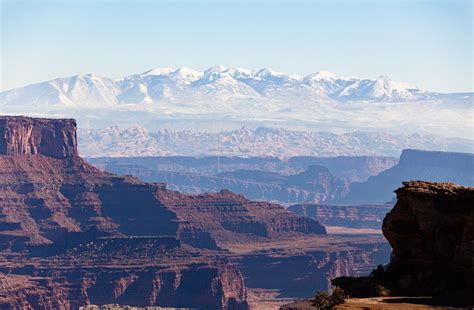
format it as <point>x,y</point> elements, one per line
<point>374,303</point>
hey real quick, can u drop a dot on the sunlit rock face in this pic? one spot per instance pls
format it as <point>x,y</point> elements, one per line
<point>24,135</point>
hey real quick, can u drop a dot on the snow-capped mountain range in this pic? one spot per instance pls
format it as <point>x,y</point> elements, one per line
<point>216,83</point>
<point>227,98</point>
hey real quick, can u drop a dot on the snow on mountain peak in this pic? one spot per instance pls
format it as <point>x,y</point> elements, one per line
<point>385,86</point>
<point>268,72</point>
<point>321,75</point>
<point>382,88</point>
<point>218,83</point>
<point>184,73</point>
<point>219,72</point>
<point>214,70</point>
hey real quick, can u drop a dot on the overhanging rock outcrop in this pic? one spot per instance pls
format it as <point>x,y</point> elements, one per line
<point>431,231</point>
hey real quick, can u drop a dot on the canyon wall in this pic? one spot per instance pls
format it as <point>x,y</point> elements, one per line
<point>72,234</point>
<point>315,184</point>
<point>199,285</point>
<point>22,136</point>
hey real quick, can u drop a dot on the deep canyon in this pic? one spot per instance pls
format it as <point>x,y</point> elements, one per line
<point>72,234</point>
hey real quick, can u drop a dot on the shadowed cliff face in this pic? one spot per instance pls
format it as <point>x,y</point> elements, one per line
<point>24,135</point>
<point>198,285</point>
<point>431,231</point>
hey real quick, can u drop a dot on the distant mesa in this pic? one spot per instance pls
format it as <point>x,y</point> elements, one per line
<point>25,135</point>
<point>414,165</point>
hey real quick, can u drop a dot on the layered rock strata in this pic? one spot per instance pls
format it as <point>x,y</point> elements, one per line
<point>353,216</point>
<point>73,235</point>
<point>24,135</point>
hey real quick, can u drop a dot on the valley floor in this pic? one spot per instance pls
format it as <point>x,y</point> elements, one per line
<point>372,303</point>
<point>391,303</point>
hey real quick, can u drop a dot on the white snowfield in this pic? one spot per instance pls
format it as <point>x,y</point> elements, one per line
<point>232,97</point>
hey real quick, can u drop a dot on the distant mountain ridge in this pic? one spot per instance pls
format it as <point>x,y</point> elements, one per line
<point>413,165</point>
<point>347,168</point>
<point>184,84</point>
<point>245,142</point>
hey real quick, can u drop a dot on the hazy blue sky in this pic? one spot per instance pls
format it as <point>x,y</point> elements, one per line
<point>428,43</point>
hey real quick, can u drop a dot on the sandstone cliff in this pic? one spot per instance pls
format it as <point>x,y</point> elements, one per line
<point>80,235</point>
<point>24,135</point>
<point>199,285</point>
<point>431,231</point>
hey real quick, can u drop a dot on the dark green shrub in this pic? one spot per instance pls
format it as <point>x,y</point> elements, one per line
<point>338,296</point>
<point>379,286</point>
<point>381,291</point>
<point>323,301</point>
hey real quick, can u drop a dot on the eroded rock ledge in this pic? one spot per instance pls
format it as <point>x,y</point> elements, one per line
<point>50,137</point>
<point>431,231</point>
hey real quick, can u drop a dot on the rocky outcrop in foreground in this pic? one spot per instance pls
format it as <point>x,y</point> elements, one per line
<point>431,231</point>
